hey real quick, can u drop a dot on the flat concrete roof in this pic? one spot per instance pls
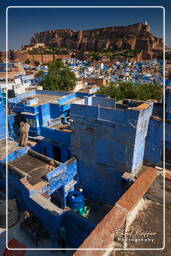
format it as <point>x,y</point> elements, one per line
<point>12,146</point>
<point>44,98</point>
<point>34,167</point>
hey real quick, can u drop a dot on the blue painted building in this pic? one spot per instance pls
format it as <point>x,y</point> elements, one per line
<point>40,108</point>
<point>27,79</point>
<point>37,108</point>
<point>89,141</point>
<point>45,111</point>
<point>3,118</point>
<point>155,139</point>
<point>13,148</point>
<point>41,186</point>
<point>107,140</point>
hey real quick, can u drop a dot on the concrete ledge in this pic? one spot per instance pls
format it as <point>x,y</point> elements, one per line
<point>141,107</point>
<point>134,194</point>
<point>168,175</point>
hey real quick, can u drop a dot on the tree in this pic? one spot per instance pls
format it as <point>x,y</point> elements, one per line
<point>149,91</point>
<point>167,56</point>
<point>27,61</point>
<point>119,90</point>
<point>36,63</point>
<point>128,90</point>
<point>39,74</point>
<point>59,77</point>
<point>11,54</point>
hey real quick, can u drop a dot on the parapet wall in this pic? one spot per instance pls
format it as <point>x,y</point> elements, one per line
<point>105,232</point>
<point>95,112</point>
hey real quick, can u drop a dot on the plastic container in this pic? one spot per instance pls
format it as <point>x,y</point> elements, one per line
<point>76,200</point>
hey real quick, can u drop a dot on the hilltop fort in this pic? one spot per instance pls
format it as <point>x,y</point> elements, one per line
<point>136,36</point>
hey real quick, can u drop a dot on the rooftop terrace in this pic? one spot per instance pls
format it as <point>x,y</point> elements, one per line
<point>12,146</point>
<point>43,98</point>
<point>33,165</point>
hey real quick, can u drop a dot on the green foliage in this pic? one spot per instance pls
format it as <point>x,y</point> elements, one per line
<point>149,91</point>
<point>167,56</point>
<point>33,51</point>
<point>54,51</point>
<point>127,53</point>
<point>36,63</point>
<point>94,55</point>
<point>38,50</point>
<point>39,74</point>
<point>105,50</point>
<point>112,53</point>
<point>59,77</point>
<point>11,54</point>
<point>27,61</point>
<point>127,90</point>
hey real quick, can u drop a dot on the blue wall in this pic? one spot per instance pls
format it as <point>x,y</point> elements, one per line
<point>77,228</point>
<point>61,176</point>
<point>154,141</point>
<point>12,127</point>
<point>2,122</point>
<point>103,102</point>
<point>168,100</point>
<point>141,134</point>
<point>106,143</point>
<point>54,138</point>
<point>56,135</point>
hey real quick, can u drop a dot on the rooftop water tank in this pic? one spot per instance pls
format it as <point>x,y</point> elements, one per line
<point>76,200</point>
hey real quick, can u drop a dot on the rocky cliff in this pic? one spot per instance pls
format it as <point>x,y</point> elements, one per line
<point>136,36</point>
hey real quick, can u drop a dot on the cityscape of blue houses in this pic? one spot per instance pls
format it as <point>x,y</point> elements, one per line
<point>80,146</point>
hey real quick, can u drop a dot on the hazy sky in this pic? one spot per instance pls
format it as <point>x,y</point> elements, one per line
<point>23,22</point>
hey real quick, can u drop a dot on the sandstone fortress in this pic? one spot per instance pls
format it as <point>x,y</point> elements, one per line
<point>133,37</point>
<point>136,36</point>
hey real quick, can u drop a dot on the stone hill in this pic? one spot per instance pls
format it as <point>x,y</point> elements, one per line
<point>136,36</point>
